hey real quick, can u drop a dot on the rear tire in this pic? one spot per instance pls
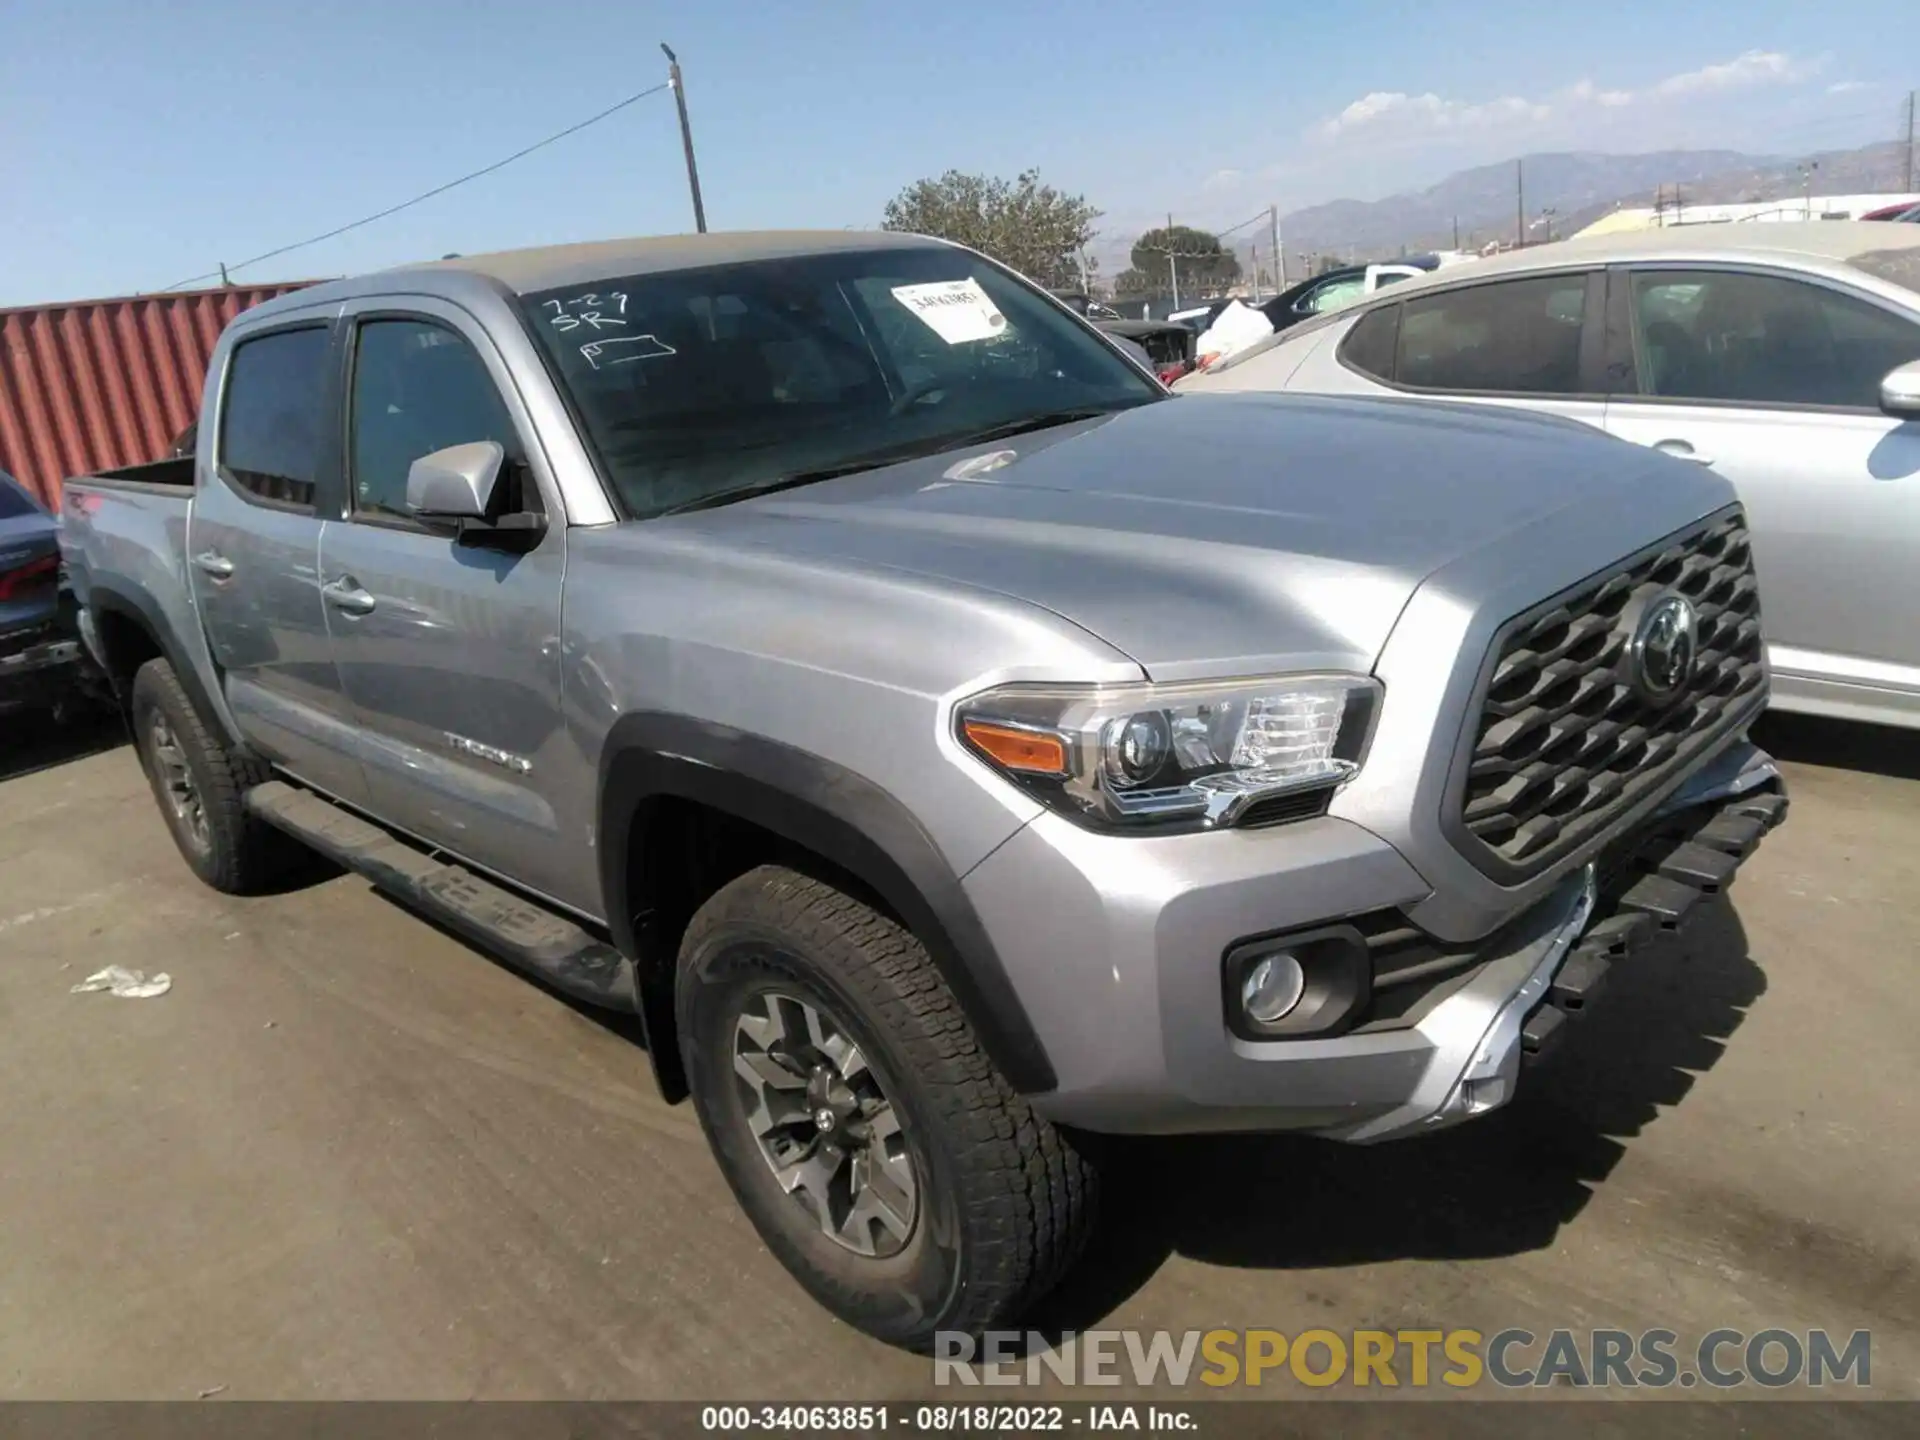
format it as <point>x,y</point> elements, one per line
<point>200,784</point>
<point>969,1207</point>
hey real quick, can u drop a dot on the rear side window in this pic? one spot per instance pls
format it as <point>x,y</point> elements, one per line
<point>271,423</point>
<point>1369,346</point>
<point>1517,337</point>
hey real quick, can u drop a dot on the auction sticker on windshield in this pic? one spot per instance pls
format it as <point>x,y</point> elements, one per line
<point>957,311</point>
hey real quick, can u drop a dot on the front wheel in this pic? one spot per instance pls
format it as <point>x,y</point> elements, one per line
<point>879,1153</point>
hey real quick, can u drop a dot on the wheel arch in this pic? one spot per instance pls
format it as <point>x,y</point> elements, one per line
<point>654,760</point>
<point>129,630</point>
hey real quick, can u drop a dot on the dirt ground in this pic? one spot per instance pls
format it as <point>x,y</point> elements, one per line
<point>349,1157</point>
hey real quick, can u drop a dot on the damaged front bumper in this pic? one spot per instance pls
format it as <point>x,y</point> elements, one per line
<point>1553,962</point>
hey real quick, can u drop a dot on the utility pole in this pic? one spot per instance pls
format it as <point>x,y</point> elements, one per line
<point>1519,204</point>
<point>1279,255</point>
<point>1909,184</point>
<point>686,137</point>
<point>1255,248</point>
<point>1173,268</point>
<point>1456,232</point>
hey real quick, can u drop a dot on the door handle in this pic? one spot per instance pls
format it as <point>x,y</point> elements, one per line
<point>214,564</point>
<point>1682,450</point>
<point>346,594</point>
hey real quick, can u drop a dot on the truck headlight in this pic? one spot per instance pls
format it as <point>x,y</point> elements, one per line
<point>1190,756</point>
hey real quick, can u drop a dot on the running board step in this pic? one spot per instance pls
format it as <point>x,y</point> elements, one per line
<point>527,936</point>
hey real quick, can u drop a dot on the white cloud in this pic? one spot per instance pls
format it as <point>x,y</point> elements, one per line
<point>1429,111</point>
<point>1755,67</point>
<point>1847,87</point>
<point>1221,180</point>
<point>1398,115</point>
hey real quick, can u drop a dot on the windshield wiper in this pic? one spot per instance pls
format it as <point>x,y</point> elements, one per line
<point>933,445</point>
<point>769,485</point>
<point>1027,423</point>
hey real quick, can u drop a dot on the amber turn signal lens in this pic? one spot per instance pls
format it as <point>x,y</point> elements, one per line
<point>1020,750</point>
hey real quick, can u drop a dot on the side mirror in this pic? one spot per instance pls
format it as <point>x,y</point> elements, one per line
<point>1900,391</point>
<point>456,483</point>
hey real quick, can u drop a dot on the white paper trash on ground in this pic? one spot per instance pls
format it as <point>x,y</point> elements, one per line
<point>127,984</point>
<point>1233,329</point>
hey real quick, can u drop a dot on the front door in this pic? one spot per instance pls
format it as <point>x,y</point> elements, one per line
<point>253,554</point>
<point>448,650</point>
<point>1774,381</point>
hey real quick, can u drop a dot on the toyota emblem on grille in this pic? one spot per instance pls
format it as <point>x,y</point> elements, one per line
<point>1665,644</point>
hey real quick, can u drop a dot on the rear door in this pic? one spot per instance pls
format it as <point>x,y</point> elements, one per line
<point>253,548</point>
<point>449,650</point>
<point>1772,378</point>
<point>1531,342</point>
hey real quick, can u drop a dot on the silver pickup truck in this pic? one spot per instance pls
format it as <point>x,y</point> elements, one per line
<point>951,745</point>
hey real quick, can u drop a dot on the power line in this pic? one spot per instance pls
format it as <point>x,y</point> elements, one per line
<point>223,271</point>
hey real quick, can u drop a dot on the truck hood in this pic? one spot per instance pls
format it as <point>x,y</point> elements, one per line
<point>1238,534</point>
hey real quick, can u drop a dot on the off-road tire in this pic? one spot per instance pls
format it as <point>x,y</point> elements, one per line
<point>1006,1200</point>
<point>239,853</point>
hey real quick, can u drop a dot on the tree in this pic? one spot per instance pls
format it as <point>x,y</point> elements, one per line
<point>1205,264</point>
<point>1022,223</point>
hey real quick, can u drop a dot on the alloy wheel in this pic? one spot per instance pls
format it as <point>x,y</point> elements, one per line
<point>182,796</point>
<point>826,1129</point>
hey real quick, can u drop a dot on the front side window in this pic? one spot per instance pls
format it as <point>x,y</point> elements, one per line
<point>1742,337</point>
<point>1518,337</point>
<point>271,421</point>
<point>695,385</point>
<point>417,388</point>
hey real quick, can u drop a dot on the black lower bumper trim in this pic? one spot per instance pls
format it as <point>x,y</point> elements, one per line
<point>1649,883</point>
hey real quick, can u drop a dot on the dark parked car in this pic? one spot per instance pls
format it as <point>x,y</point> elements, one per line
<point>1325,291</point>
<point>39,646</point>
<point>1168,346</point>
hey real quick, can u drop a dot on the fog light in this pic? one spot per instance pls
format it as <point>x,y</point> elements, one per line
<point>1272,988</point>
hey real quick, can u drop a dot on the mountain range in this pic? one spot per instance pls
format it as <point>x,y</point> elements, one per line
<point>1578,187</point>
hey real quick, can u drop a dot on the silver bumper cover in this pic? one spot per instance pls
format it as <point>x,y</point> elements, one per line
<point>1476,1036</point>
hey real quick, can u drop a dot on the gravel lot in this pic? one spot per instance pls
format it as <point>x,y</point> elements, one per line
<point>349,1157</point>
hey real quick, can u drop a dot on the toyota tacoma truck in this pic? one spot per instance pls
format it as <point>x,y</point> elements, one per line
<point>952,746</point>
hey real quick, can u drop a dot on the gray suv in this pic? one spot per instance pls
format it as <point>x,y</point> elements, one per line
<point>951,745</point>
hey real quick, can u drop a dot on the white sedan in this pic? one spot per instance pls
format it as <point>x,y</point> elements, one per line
<point>1786,356</point>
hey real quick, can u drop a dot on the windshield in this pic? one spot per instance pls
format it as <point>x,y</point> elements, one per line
<point>694,383</point>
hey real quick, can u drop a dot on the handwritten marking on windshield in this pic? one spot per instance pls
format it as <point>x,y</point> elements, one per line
<point>654,349</point>
<point>587,310</point>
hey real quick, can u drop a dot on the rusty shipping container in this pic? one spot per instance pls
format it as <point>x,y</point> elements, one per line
<point>95,384</point>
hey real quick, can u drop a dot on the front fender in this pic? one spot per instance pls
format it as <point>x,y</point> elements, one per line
<point>828,811</point>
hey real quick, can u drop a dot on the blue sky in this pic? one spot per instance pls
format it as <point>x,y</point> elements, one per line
<point>142,141</point>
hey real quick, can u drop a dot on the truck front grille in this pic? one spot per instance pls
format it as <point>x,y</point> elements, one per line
<point>1565,742</point>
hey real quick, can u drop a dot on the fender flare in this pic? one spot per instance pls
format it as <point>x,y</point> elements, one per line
<point>106,597</point>
<point>831,812</point>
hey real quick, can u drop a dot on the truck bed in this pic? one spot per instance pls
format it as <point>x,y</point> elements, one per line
<point>172,474</point>
<point>123,536</point>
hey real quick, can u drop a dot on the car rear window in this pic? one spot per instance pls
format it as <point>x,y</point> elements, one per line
<point>1901,266</point>
<point>1369,346</point>
<point>14,501</point>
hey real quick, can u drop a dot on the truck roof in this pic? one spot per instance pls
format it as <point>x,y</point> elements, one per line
<point>550,265</point>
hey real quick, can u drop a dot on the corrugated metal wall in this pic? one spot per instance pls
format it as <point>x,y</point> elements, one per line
<point>100,383</point>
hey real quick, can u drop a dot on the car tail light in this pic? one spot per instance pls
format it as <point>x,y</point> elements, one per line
<point>30,578</point>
